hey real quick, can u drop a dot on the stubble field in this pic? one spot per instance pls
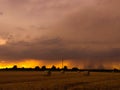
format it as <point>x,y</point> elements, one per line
<point>34,80</point>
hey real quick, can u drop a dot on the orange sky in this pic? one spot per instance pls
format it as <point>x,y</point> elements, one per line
<point>69,63</point>
<point>32,63</point>
<point>84,32</point>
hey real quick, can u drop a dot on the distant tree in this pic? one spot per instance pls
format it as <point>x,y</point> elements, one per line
<point>65,68</point>
<point>15,67</point>
<point>53,68</point>
<point>75,69</point>
<point>37,68</point>
<point>115,70</point>
<point>43,68</point>
<point>58,69</point>
<point>6,68</point>
<point>22,68</point>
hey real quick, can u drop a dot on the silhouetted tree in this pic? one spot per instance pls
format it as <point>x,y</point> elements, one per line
<point>6,68</point>
<point>58,69</point>
<point>43,68</point>
<point>75,69</point>
<point>14,67</point>
<point>22,68</point>
<point>115,70</point>
<point>65,68</point>
<point>37,68</point>
<point>53,68</point>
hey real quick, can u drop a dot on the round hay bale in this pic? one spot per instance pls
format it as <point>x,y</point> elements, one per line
<point>62,71</point>
<point>48,73</point>
<point>86,73</point>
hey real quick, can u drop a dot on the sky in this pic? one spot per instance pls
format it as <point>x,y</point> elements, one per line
<point>85,33</point>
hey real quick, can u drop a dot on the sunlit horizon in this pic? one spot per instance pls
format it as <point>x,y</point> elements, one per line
<point>33,63</point>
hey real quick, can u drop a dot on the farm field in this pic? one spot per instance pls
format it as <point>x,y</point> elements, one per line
<point>35,80</point>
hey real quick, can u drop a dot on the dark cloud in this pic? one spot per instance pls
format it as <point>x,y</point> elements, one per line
<point>52,49</point>
<point>89,32</point>
<point>1,13</point>
<point>94,24</point>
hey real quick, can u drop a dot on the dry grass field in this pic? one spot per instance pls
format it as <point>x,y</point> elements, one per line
<point>11,80</point>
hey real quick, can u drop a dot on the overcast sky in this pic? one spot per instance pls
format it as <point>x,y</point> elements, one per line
<point>84,31</point>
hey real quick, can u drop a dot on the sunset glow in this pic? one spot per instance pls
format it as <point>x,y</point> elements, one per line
<point>32,64</point>
<point>24,63</point>
<point>40,63</point>
<point>3,42</point>
<point>85,33</point>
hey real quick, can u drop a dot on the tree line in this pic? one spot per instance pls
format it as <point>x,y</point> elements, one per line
<point>54,68</point>
<point>42,68</point>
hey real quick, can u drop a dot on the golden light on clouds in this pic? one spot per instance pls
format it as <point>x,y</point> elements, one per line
<point>116,65</point>
<point>32,64</point>
<point>23,63</point>
<point>59,63</point>
<point>3,41</point>
<point>29,63</point>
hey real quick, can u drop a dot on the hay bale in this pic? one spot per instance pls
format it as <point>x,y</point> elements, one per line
<point>78,71</point>
<point>86,73</point>
<point>62,71</point>
<point>48,73</point>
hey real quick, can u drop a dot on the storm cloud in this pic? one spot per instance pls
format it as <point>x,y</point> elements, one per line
<point>52,49</point>
<point>78,30</point>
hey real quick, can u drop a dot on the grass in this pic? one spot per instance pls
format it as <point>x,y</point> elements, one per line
<point>11,80</point>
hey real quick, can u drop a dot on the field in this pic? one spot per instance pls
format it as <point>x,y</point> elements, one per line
<point>18,80</point>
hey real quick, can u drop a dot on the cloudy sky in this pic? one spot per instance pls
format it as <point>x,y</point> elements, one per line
<point>85,33</point>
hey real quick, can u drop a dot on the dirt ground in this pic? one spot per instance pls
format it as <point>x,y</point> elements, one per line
<point>18,80</point>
